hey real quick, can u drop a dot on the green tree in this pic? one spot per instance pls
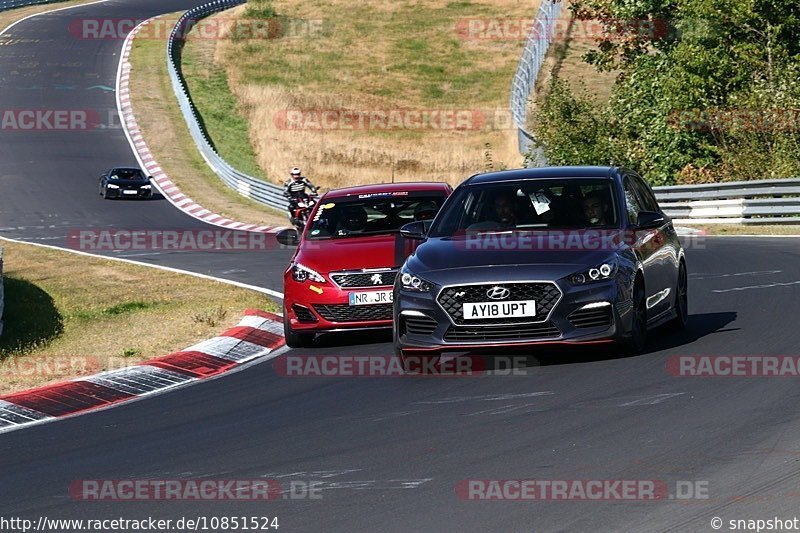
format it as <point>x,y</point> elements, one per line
<point>686,67</point>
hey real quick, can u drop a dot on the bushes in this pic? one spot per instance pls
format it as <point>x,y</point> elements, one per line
<point>715,98</point>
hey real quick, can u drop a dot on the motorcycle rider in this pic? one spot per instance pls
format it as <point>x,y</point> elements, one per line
<point>295,189</point>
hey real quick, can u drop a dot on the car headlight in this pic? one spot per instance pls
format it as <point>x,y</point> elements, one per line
<point>146,187</point>
<point>411,282</point>
<point>601,272</point>
<point>302,273</point>
<point>113,186</point>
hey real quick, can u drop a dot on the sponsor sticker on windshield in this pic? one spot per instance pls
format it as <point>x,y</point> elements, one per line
<point>381,194</point>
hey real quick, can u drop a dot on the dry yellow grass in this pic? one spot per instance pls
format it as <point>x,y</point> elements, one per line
<point>167,136</point>
<point>741,229</point>
<point>68,315</point>
<point>378,56</point>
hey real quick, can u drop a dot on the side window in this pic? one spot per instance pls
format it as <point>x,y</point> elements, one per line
<point>631,201</point>
<point>649,202</point>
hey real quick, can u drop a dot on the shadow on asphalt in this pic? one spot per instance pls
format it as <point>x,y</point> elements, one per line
<point>352,338</point>
<point>659,339</point>
<point>699,326</point>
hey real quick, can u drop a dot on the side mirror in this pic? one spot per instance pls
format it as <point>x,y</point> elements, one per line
<point>416,230</point>
<point>288,237</point>
<point>650,220</point>
<point>150,177</point>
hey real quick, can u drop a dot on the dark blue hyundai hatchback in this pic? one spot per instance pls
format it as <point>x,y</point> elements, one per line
<point>537,256</point>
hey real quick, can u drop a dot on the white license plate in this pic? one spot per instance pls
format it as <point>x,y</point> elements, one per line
<point>518,309</point>
<point>370,297</point>
<point>130,192</point>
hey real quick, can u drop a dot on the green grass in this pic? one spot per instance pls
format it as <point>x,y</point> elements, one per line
<point>423,51</point>
<point>168,138</point>
<point>218,109</point>
<point>60,305</point>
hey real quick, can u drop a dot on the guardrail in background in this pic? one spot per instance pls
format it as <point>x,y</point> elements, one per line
<point>530,63</point>
<point>736,202</point>
<point>1,291</point>
<point>11,4</point>
<point>247,186</point>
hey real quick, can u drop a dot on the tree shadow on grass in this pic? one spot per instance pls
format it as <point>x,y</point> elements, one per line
<point>30,318</point>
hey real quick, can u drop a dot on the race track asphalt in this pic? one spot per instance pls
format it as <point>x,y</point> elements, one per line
<point>388,452</point>
<point>49,177</point>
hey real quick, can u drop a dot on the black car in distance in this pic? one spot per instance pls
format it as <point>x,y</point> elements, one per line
<point>125,182</point>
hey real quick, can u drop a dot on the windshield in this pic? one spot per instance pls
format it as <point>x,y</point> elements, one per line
<point>126,174</point>
<point>529,205</point>
<point>354,216</point>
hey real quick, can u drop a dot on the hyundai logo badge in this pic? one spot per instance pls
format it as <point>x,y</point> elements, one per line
<point>498,293</point>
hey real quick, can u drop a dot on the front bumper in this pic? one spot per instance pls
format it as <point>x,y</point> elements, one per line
<point>120,193</point>
<point>310,310</point>
<point>587,314</point>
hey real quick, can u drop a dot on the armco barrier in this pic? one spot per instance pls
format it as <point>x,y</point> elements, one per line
<point>528,71</point>
<point>11,4</point>
<point>248,186</point>
<point>738,202</point>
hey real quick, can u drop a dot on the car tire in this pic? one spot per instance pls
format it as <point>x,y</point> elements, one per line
<point>103,193</point>
<point>638,335</point>
<point>681,300</point>
<point>295,340</point>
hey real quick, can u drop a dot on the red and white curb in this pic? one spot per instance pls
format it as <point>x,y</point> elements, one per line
<point>147,161</point>
<point>258,334</point>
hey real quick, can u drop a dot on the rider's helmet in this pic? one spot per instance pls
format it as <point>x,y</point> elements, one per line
<point>425,210</point>
<point>296,174</point>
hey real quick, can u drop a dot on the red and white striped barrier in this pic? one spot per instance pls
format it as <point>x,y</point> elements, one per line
<point>147,161</point>
<point>257,335</point>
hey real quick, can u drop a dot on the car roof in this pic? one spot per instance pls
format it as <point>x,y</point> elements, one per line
<point>543,172</point>
<point>390,187</point>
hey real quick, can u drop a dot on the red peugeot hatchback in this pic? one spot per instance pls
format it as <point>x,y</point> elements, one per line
<point>342,273</point>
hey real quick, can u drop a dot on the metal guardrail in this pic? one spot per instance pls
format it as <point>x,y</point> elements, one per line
<point>1,291</point>
<point>247,186</point>
<point>527,73</point>
<point>736,202</point>
<point>11,4</point>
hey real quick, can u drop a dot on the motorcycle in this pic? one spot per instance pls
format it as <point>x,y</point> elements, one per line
<point>302,210</point>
